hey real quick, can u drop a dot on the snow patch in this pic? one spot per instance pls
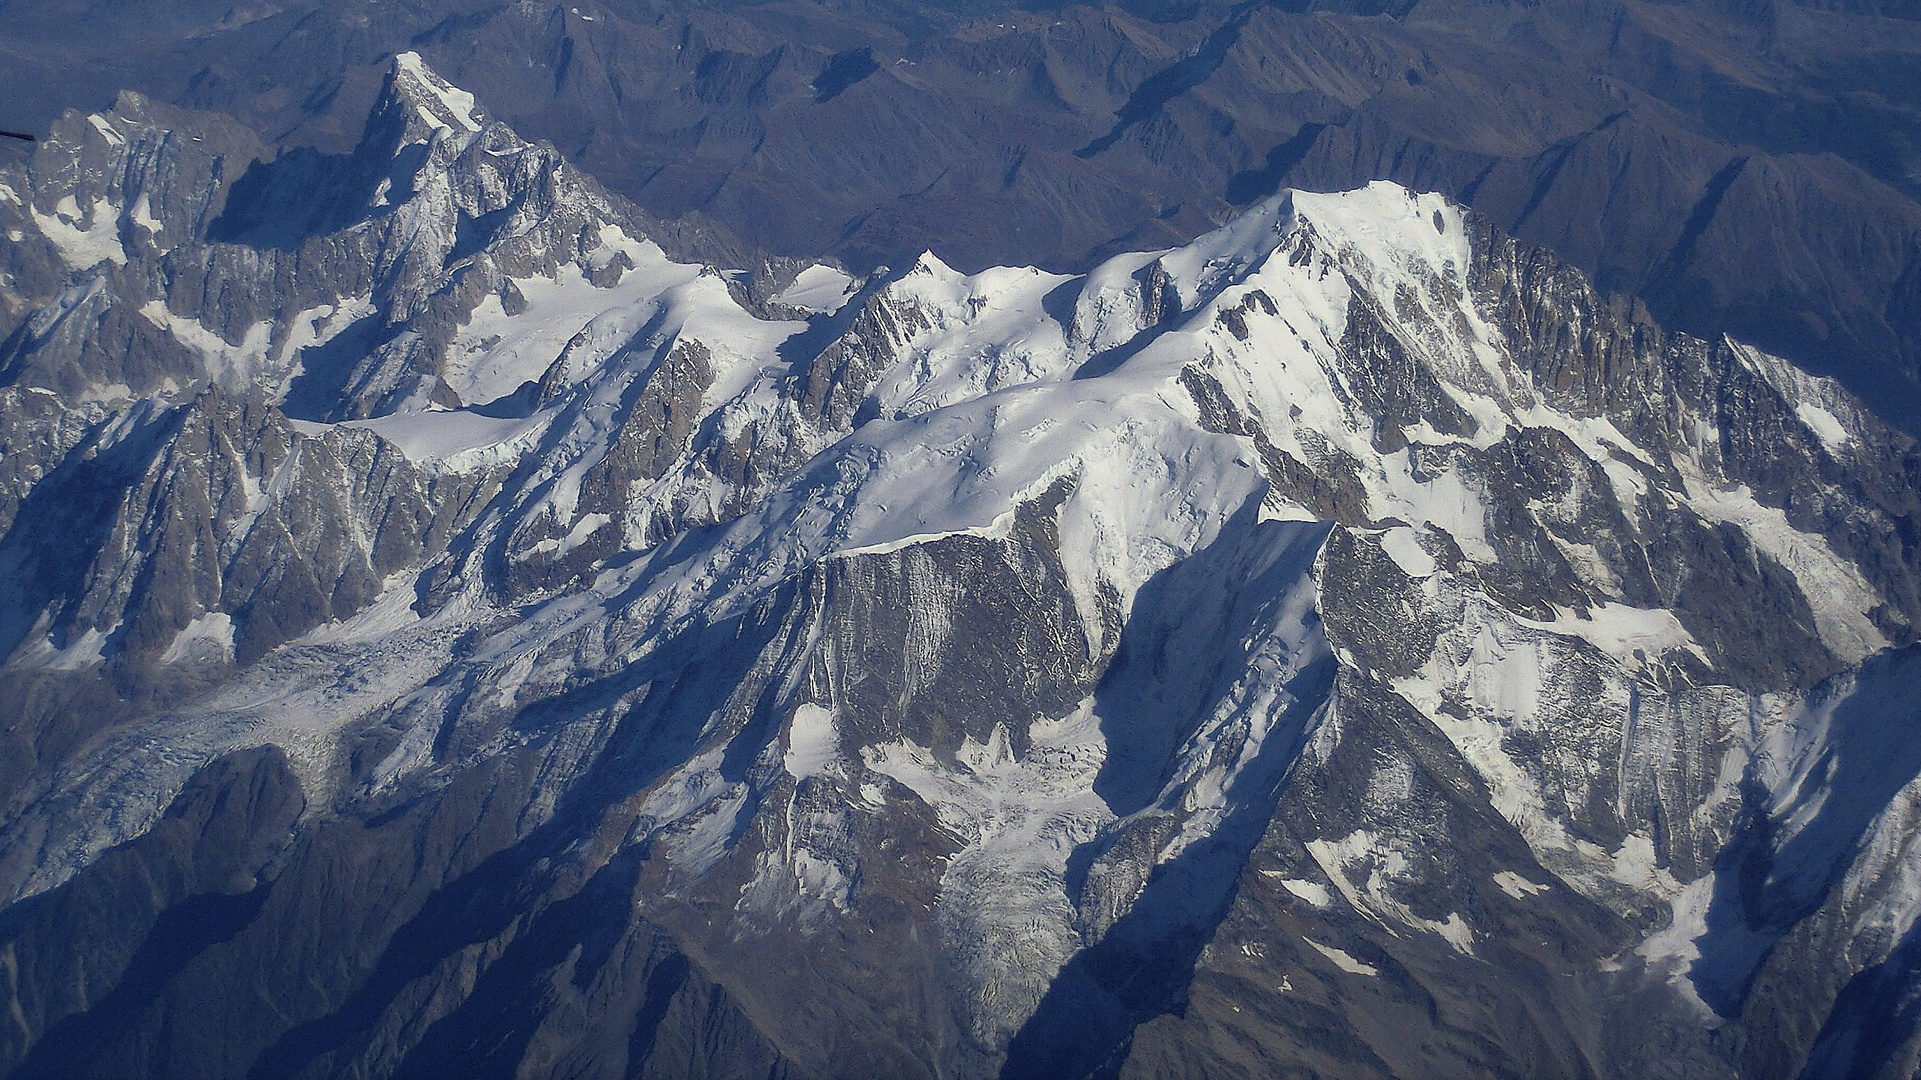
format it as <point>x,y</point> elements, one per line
<point>1447,502</point>
<point>1404,547</point>
<point>107,394</point>
<point>818,289</point>
<point>114,138</point>
<point>315,327</point>
<point>1386,867</point>
<point>82,652</point>
<point>1507,671</point>
<point>1517,886</point>
<point>1835,590</point>
<point>494,352</point>
<point>1634,864</point>
<point>1342,960</point>
<point>1313,892</point>
<point>207,637</point>
<point>231,365</point>
<point>1631,636</point>
<point>142,215</point>
<point>812,742</point>
<point>84,239</point>
<point>391,612</point>
<point>455,440</point>
<point>1825,425</point>
<point>1676,942</point>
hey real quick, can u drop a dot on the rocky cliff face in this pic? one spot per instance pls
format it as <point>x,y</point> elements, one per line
<point>446,633</point>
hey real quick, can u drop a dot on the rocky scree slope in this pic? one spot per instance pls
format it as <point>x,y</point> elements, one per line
<point>1348,644</point>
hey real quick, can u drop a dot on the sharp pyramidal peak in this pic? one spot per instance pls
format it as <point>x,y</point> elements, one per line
<point>457,622</point>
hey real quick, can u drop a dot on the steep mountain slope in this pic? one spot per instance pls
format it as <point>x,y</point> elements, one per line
<point>449,635</point>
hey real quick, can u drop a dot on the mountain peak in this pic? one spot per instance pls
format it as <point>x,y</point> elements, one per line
<point>437,103</point>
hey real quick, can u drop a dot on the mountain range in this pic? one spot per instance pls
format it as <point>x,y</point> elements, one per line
<point>1744,167</point>
<point>460,621</point>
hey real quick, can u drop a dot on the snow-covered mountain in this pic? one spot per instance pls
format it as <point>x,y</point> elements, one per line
<point>448,632</point>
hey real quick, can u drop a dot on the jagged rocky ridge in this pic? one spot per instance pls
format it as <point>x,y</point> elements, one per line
<point>1744,167</point>
<point>448,634</point>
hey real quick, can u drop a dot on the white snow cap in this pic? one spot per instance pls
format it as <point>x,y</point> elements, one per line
<point>440,102</point>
